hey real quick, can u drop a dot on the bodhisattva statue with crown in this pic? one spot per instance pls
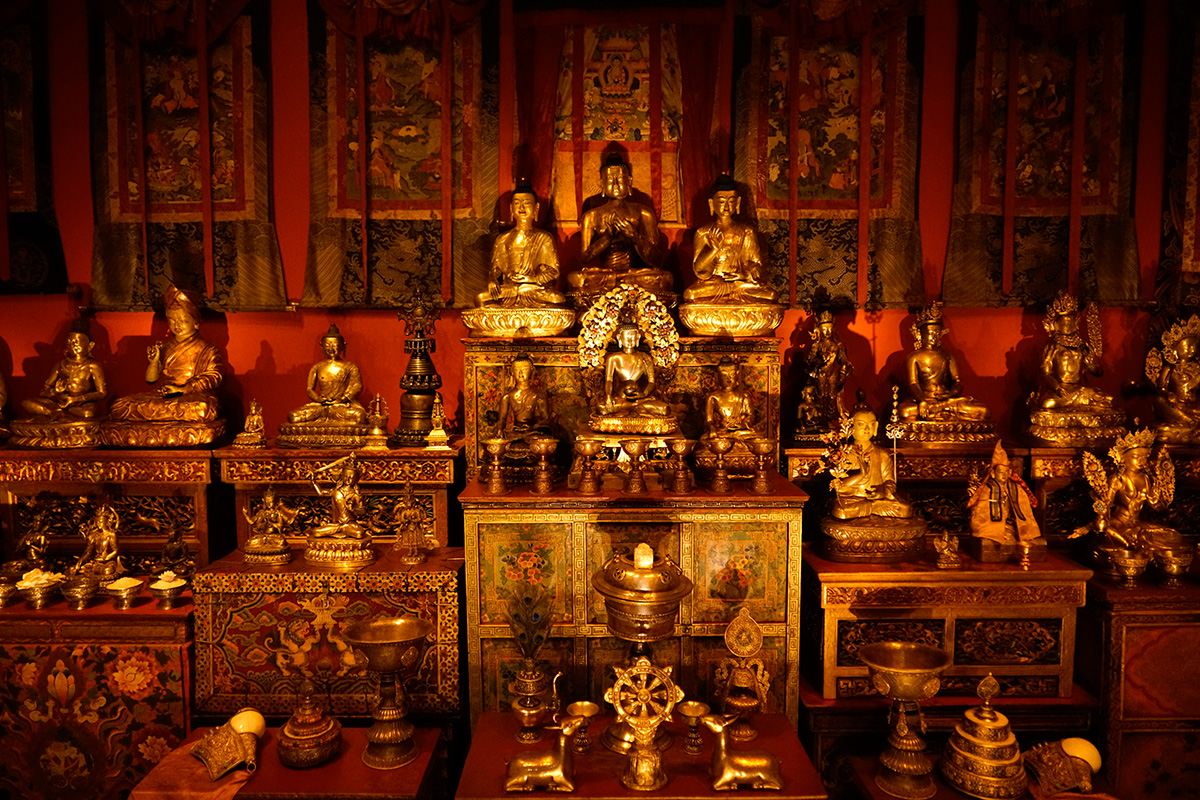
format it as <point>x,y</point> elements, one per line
<point>620,242</point>
<point>936,411</point>
<point>625,381</point>
<point>1175,373</point>
<point>1124,541</point>
<point>344,542</point>
<point>826,368</point>
<point>333,417</point>
<point>181,410</point>
<point>1065,411</point>
<point>521,299</point>
<point>67,412</point>
<point>869,520</point>
<point>728,297</point>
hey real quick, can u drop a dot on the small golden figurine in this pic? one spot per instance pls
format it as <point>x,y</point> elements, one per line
<point>1126,542</point>
<point>412,528</point>
<point>343,542</point>
<point>520,299</point>
<point>826,366</point>
<point>552,770</point>
<point>377,424</point>
<point>182,409</point>
<point>253,435</point>
<point>643,696</point>
<point>267,543</point>
<point>622,234</point>
<point>742,683</point>
<point>101,557</point>
<point>333,417</point>
<point>728,297</point>
<point>1001,513</point>
<point>869,519</point>
<point>1065,411</point>
<point>729,413</point>
<point>733,769</point>
<point>936,410</point>
<point>66,414</point>
<point>174,557</point>
<point>438,438</point>
<point>1175,373</point>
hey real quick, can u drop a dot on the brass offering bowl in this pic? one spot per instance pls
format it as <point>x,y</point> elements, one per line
<point>681,477</point>
<point>635,481</point>
<point>167,595</point>
<point>41,595</point>
<point>123,598</point>
<point>1174,564</point>
<point>8,590</point>
<point>543,475</point>
<point>762,449</point>
<point>391,647</point>
<point>589,477</point>
<point>1128,565</point>
<point>692,711</point>
<point>719,480</point>
<point>586,709</point>
<point>79,590</point>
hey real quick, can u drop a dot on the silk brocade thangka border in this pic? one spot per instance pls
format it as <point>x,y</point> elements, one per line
<point>148,174</point>
<point>1042,141</point>
<point>822,162</point>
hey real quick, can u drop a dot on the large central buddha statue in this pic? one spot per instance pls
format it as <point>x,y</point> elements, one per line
<point>620,241</point>
<point>333,417</point>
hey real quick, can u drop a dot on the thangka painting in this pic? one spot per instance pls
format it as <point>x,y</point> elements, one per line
<point>406,172</point>
<point>150,175</point>
<point>619,83</point>
<point>1043,141</point>
<point>33,260</point>
<point>819,160</point>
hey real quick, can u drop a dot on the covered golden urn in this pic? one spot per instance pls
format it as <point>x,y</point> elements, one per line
<point>310,737</point>
<point>641,594</point>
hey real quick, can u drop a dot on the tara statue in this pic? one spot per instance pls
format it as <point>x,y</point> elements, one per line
<point>936,410</point>
<point>521,299</point>
<point>332,417</point>
<point>67,412</point>
<point>729,297</point>
<point>1175,373</point>
<point>181,410</point>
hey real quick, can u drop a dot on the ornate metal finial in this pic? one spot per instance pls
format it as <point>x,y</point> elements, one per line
<point>419,315</point>
<point>743,635</point>
<point>988,688</point>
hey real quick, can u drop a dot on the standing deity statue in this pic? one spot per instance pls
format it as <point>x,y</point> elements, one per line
<point>1175,373</point>
<point>826,367</point>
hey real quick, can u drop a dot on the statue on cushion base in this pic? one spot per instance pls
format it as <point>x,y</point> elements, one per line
<point>333,417</point>
<point>728,297</point>
<point>344,542</point>
<point>1065,411</point>
<point>67,412</point>
<point>1001,506</point>
<point>935,410</point>
<point>520,300</point>
<point>622,234</point>
<point>182,410</point>
<point>1175,373</point>
<point>524,414</point>
<point>869,519</point>
<point>267,543</point>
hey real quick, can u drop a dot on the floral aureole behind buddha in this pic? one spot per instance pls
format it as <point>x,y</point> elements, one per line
<point>624,382</point>
<point>935,410</point>
<point>826,367</point>
<point>1065,411</point>
<point>181,410</point>
<point>1121,535</point>
<point>620,242</point>
<point>728,297</point>
<point>729,413</point>
<point>869,520</point>
<point>521,299</point>
<point>67,412</point>
<point>333,417</point>
<point>1175,373</point>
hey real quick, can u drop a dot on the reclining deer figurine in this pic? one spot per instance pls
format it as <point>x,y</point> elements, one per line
<point>552,770</point>
<point>733,768</point>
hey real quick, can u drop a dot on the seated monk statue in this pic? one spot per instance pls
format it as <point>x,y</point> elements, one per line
<point>931,376</point>
<point>333,387</point>
<point>76,388</point>
<point>623,235</point>
<point>186,371</point>
<point>1001,506</point>
<point>864,477</point>
<point>727,262</point>
<point>523,409</point>
<point>524,259</point>
<point>728,411</point>
<point>629,388</point>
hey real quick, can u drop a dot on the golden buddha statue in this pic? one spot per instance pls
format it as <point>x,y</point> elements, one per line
<point>101,556</point>
<point>66,412</point>
<point>1123,496</point>
<point>629,380</point>
<point>521,299</point>
<point>826,366</point>
<point>728,297</point>
<point>1175,373</point>
<point>267,543</point>
<point>524,414</point>
<point>333,417</point>
<point>343,542</point>
<point>182,409</point>
<point>935,409</point>
<point>622,234</point>
<point>729,413</point>
<point>1001,513</point>
<point>869,520</point>
<point>1065,411</point>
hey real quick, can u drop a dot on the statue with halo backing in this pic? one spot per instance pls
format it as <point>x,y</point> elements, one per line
<point>935,410</point>
<point>333,416</point>
<point>521,299</point>
<point>1175,373</point>
<point>729,297</point>
<point>1065,411</point>
<point>67,412</point>
<point>182,409</point>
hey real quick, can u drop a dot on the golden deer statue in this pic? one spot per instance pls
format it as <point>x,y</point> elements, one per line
<point>731,769</point>
<point>552,770</point>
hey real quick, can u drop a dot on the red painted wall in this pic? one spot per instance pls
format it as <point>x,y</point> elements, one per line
<point>268,354</point>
